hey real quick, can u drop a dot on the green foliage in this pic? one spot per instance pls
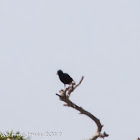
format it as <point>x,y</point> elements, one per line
<point>11,136</point>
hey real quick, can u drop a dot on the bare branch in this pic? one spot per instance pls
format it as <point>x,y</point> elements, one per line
<point>65,98</point>
<point>73,87</point>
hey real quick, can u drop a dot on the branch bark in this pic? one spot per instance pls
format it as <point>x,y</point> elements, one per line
<point>64,96</point>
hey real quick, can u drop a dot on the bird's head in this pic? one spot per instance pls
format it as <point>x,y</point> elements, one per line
<point>59,72</point>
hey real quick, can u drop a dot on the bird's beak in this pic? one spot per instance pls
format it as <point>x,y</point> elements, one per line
<point>56,73</point>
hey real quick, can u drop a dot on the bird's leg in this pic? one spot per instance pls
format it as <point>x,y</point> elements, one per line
<point>64,86</point>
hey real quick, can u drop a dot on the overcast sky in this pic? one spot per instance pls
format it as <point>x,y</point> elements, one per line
<point>99,39</point>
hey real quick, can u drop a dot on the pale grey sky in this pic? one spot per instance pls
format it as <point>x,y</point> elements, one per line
<point>98,39</point>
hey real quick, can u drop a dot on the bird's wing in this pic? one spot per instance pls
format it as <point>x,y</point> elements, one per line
<point>68,77</point>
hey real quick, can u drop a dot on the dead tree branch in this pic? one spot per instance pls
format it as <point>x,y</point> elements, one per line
<point>64,96</point>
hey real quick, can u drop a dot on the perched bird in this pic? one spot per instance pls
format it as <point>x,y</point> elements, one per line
<point>65,78</point>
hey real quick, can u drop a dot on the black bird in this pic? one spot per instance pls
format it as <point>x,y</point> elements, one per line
<point>65,78</point>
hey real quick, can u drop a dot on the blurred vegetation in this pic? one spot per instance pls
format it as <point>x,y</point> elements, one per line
<point>12,136</point>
